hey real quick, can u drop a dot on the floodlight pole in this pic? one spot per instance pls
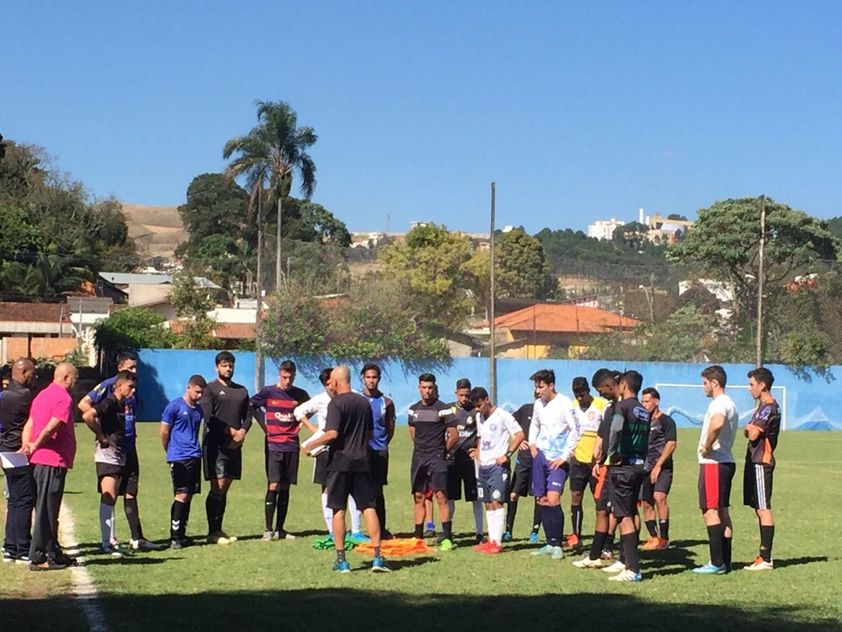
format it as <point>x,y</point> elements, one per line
<point>759,356</point>
<point>492,359</point>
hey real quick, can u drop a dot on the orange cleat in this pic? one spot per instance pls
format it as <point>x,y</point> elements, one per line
<point>651,544</point>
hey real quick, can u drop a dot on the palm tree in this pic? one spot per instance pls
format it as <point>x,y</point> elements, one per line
<point>269,155</point>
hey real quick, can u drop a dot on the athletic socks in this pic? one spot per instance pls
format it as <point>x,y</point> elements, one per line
<point>664,529</point>
<point>652,528</point>
<point>447,530</point>
<point>511,514</point>
<point>419,530</point>
<point>283,507</point>
<point>609,543</point>
<point>551,517</point>
<point>380,507</point>
<point>536,517</point>
<point>106,522</point>
<point>767,536</point>
<point>479,511</point>
<point>576,517</point>
<point>496,524</point>
<point>177,520</point>
<point>186,517</point>
<point>340,555</point>
<point>327,512</point>
<point>213,511</point>
<point>355,515</point>
<point>628,542</point>
<point>133,518</point>
<point>269,509</point>
<point>726,551</point>
<point>716,540</point>
<point>598,544</point>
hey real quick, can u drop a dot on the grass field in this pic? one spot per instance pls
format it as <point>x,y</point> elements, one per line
<point>287,584</point>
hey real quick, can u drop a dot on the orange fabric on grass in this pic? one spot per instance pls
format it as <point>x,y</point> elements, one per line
<point>396,547</point>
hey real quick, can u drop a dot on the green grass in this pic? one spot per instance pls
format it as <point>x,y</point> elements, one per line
<point>253,584</point>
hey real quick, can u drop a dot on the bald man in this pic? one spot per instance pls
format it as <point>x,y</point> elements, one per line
<point>14,411</point>
<point>49,440</point>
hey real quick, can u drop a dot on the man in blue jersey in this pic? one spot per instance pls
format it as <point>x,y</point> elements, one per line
<point>383,410</point>
<point>130,476</point>
<point>180,424</point>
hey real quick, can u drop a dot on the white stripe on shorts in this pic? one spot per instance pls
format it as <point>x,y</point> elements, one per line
<point>760,484</point>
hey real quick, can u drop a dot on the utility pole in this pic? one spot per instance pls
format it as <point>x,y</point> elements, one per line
<point>259,361</point>
<point>759,356</point>
<point>492,352</point>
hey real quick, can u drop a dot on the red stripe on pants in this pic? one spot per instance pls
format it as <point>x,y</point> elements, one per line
<point>711,485</point>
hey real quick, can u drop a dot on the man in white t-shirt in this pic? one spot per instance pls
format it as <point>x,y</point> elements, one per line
<point>716,470</point>
<point>498,437</point>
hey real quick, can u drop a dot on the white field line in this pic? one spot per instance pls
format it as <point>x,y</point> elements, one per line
<point>83,586</point>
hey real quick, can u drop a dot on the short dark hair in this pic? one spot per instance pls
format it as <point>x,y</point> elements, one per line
<point>121,357</point>
<point>324,376</point>
<point>764,375</point>
<point>599,376</point>
<point>650,390</point>
<point>580,384</point>
<point>370,366</point>
<point>463,382</point>
<point>478,393</point>
<point>605,375</point>
<point>633,380</point>
<point>427,377</point>
<point>125,376</point>
<point>225,356</point>
<point>197,380</point>
<point>287,365</point>
<point>547,376</point>
<point>715,373</point>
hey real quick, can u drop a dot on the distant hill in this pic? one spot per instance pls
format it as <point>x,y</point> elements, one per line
<point>156,230</point>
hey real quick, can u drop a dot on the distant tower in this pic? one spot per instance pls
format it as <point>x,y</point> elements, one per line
<point>640,215</point>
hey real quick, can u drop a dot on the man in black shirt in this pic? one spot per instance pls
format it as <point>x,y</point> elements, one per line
<point>430,430</point>
<point>225,405</point>
<point>658,480</point>
<point>521,482</point>
<point>461,468</point>
<point>14,411</point>
<point>348,429</point>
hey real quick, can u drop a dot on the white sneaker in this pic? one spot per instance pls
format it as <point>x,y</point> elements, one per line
<point>110,549</point>
<point>616,567</point>
<point>557,553</point>
<point>760,565</point>
<point>625,576</point>
<point>144,545</point>
<point>587,562</point>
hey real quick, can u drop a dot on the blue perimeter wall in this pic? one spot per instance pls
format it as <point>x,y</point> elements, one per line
<point>807,399</point>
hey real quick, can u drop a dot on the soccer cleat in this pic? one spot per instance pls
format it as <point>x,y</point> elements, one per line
<point>507,536</point>
<point>587,562</point>
<point>358,537</point>
<point>111,550</point>
<point>651,544</point>
<point>482,547</point>
<point>46,565</point>
<point>22,559</point>
<point>430,530</point>
<point>663,544</point>
<point>231,538</point>
<point>759,564</point>
<point>492,548</point>
<point>447,545</point>
<point>606,555</point>
<point>144,545</point>
<point>379,565</point>
<point>218,538</point>
<point>547,549</point>
<point>66,560</point>
<point>557,553</point>
<point>8,558</point>
<point>710,569</point>
<point>616,567</point>
<point>268,536</point>
<point>341,566</point>
<point>282,535</point>
<point>386,535</point>
<point>533,538</point>
<point>175,545</point>
<point>480,538</point>
<point>626,576</point>
<point>573,541</point>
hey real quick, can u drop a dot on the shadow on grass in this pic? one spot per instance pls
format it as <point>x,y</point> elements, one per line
<point>354,609</point>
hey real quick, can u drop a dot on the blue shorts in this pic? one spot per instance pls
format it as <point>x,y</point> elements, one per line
<point>546,479</point>
<point>492,483</point>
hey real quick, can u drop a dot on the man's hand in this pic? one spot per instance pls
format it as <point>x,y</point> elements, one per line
<point>557,463</point>
<point>523,446</point>
<point>655,473</point>
<point>501,460</point>
<point>595,470</point>
<point>534,450</point>
<point>103,441</point>
<point>473,453</point>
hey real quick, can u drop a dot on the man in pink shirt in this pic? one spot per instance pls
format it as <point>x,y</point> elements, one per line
<point>49,439</point>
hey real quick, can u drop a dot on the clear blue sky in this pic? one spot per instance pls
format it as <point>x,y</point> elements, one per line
<point>578,110</point>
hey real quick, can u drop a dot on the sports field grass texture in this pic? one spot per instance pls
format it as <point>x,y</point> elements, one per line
<point>255,585</point>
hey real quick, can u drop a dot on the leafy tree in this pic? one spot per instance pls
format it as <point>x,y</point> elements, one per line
<point>192,304</point>
<point>132,328</point>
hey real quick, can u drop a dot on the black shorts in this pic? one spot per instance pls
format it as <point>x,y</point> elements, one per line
<point>625,489</point>
<point>602,489</point>
<point>521,482</point>
<point>221,462</point>
<point>186,476</point>
<point>757,485</point>
<point>282,467</point>
<point>113,471</point>
<point>580,476</point>
<point>428,473</point>
<point>320,468</point>
<point>461,472</point>
<point>356,484</point>
<point>662,484</point>
<point>715,485</point>
<point>379,462</point>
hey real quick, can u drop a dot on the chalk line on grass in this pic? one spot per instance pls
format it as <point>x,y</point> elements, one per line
<point>83,586</point>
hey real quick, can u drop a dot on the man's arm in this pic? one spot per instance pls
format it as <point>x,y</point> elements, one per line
<point>514,442</point>
<point>451,438</point>
<point>257,404</point>
<point>717,422</point>
<point>328,437</point>
<point>165,435</point>
<point>91,419</point>
<point>615,434</point>
<point>389,420</point>
<point>52,425</point>
<point>25,434</point>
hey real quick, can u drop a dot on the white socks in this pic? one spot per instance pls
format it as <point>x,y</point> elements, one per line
<point>479,510</point>
<point>355,515</point>
<point>106,523</point>
<point>496,524</point>
<point>327,512</point>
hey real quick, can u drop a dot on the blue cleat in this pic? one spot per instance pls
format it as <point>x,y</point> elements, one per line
<point>533,537</point>
<point>342,567</point>
<point>358,537</point>
<point>378,565</point>
<point>710,569</point>
<point>507,536</point>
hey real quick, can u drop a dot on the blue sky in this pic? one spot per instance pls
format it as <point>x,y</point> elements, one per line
<point>578,110</point>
